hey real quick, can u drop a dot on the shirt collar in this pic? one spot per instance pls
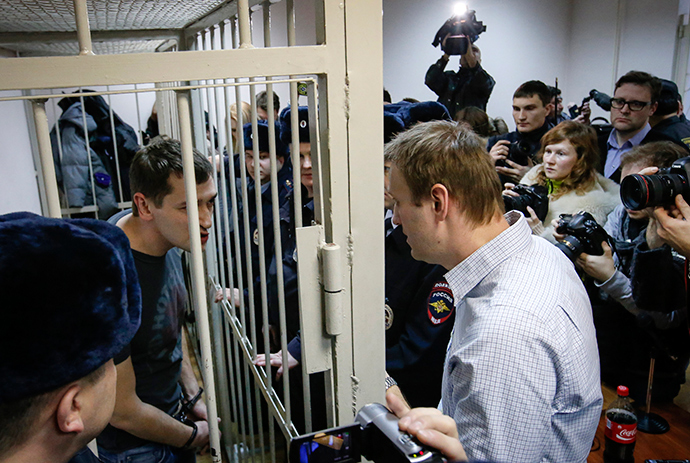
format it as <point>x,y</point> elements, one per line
<point>634,141</point>
<point>471,271</point>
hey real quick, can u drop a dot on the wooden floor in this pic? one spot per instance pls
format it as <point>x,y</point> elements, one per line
<point>673,445</point>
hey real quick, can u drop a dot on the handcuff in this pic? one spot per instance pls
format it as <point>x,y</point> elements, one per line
<point>181,416</point>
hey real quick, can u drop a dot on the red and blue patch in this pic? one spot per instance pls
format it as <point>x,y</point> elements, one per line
<point>440,304</point>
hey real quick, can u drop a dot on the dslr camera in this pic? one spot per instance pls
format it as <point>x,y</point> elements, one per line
<point>519,153</point>
<point>641,191</point>
<point>535,196</point>
<point>375,436</point>
<point>459,28</point>
<point>583,234</point>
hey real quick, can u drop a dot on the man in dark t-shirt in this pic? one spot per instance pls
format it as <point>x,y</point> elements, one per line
<point>153,370</point>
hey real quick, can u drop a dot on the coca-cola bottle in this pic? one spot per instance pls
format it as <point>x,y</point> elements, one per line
<point>621,429</point>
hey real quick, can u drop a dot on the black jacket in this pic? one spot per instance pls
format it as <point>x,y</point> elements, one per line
<point>457,90</point>
<point>533,139</point>
<point>671,129</point>
<point>419,320</point>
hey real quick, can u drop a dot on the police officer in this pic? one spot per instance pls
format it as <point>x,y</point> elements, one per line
<point>71,302</point>
<point>288,263</point>
<point>263,181</point>
<point>666,125</point>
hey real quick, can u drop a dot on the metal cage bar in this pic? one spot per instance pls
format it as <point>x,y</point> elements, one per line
<point>198,279</point>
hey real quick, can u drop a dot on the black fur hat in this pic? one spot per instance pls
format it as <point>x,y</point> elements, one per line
<point>424,111</point>
<point>412,113</point>
<point>286,125</point>
<point>69,300</point>
<point>281,149</point>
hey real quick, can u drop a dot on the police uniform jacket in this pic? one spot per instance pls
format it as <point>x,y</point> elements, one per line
<point>289,266</point>
<point>671,129</point>
<point>420,313</point>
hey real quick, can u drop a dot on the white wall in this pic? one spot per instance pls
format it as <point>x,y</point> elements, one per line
<point>18,186</point>
<point>532,39</point>
<point>525,39</point>
<point>647,41</point>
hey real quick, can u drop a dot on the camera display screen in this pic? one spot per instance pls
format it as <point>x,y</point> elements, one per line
<point>334,445</point>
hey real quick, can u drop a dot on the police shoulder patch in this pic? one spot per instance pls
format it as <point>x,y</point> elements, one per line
<point>440,304</point>
<point>388,316</point>
<point>256,237</point>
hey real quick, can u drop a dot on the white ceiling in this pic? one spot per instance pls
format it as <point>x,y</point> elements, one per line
<point>21,19</point>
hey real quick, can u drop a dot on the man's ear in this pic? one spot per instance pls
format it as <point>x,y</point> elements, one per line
<point>654,107</point>
<point>143,205</point>
<point>549,107</point>
<point>441,200</point>
<point>69,411</point>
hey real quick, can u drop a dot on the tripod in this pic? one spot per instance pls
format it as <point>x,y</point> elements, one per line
<point>649,422</point>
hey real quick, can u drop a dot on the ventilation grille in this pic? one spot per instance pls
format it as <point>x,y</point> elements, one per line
<point>58,15</point>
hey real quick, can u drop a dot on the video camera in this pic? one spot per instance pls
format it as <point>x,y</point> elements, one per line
<point>601,99</point>
<point>460,27</point>
<point>374,436</point>
<point>641,191</point>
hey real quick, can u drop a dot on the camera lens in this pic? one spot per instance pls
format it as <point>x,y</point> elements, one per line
<point>641,191</point>
<point>571,247</point>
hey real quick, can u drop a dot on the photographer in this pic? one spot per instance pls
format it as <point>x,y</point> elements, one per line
<point>626,334</point>
<point>673,227</point>
<point>471,85</point>
<point>531,104</point>
<point>569,174</point>
<point>557,108</point>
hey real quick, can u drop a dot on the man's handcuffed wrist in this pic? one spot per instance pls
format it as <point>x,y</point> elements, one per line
<point>195,430</point>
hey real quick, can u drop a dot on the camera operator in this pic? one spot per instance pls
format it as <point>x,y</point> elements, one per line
<point>623,337</point>
<point>531,104</point>
<point>634,101</point>
<point>673,227</point>
<point>666,125</point>
<point>471,85</point>
<point>428,425</point>
<point>557,108</point>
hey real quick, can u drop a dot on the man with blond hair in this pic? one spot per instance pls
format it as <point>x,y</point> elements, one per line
<point>521,375</point>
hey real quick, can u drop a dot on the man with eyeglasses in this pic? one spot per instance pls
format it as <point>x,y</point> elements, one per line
<point>634,101</point>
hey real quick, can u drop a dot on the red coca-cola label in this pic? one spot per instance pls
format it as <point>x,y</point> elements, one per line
<point>621,433</point>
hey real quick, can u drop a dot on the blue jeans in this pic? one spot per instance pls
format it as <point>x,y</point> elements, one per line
<point>149,453</point>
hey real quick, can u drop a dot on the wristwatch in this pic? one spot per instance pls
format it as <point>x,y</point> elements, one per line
<point>390,382</point>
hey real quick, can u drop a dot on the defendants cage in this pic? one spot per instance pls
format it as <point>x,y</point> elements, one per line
<point>196,59</point>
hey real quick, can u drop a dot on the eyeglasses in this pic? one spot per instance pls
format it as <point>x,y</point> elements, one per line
<point>619,103</point>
